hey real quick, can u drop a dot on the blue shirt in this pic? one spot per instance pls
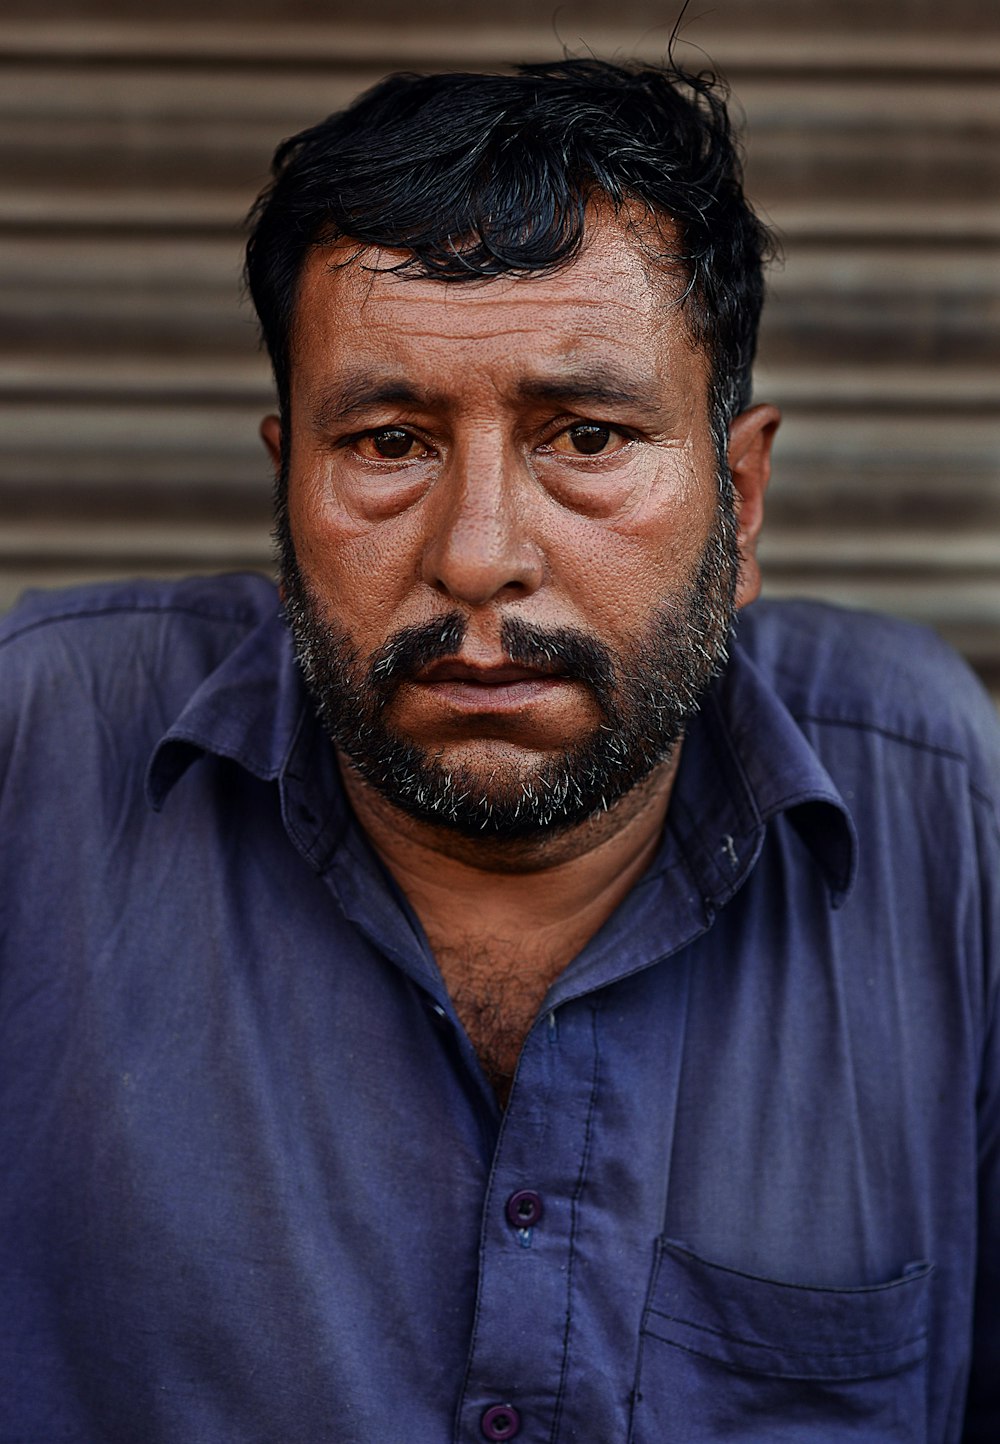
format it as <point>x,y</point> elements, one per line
<point>255,1187</point>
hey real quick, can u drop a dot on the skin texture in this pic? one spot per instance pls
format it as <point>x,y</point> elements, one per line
<point>442,458</point>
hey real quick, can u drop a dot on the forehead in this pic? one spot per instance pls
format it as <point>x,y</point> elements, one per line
<point>614,304</point>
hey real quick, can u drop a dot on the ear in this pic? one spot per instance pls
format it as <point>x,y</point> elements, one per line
<point>751,437</point>
<point>270,434</point>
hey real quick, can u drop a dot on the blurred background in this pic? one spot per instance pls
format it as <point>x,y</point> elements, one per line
<point>134,136</point>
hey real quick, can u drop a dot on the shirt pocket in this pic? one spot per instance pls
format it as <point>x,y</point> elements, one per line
<point>728,1356</point>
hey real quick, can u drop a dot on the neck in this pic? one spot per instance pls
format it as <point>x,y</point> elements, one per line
<point>504,919</point>
<point>564,883</point>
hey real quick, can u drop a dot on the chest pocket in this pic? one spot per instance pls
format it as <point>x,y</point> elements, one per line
<point>727,1356</point>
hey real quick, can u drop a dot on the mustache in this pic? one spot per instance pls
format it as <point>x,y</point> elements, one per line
<point>565,650</point>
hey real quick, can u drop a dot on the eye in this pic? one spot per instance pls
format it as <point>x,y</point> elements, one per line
<point>389,443</point>
<point>588,438</point>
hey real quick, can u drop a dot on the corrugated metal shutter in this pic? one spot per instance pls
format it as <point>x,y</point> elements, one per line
<point>130,384</point>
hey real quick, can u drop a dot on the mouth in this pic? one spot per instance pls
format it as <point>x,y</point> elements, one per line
<point>487,687</point>
<point>498,674</point>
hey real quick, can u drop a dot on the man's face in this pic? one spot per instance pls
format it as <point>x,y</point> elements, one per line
<point>504,557</point>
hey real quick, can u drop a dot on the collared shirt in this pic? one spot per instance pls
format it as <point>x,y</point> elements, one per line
<point>255,1187</point>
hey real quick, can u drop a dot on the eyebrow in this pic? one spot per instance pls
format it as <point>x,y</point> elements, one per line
<point>364,391</point>
<point>604,387</point>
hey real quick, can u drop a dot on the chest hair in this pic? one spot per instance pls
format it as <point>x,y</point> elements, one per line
<point>496,995</point>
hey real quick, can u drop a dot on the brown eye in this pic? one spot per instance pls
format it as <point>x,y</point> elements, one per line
<point>389,443</point>
<point>586,438</point>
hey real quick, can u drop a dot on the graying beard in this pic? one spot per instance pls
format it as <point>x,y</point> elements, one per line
<point>569,787</point>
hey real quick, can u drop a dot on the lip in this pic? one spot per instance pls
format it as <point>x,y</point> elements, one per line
<point>500,674</point>
<point>467,688</point>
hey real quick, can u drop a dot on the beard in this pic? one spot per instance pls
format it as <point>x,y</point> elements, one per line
<point>644,696</point>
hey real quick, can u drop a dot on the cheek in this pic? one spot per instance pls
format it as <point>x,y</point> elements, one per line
<point>360,572</point>
<point>617,575</point>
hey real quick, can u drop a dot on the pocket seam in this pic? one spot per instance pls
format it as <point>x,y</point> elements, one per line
<point>668,1247</point>
<point>754,1373</point>
<point>778,1347</point>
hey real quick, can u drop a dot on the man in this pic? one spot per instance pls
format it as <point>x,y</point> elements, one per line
<point>481,1008</point>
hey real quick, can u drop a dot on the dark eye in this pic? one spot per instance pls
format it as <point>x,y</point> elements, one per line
<point>586,438</point>
<point>389,443</point>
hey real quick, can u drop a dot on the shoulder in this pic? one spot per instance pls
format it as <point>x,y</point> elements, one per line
<point>93,623</point>
<point>240,599</point>
<point>132,651</point>
<point>844,669</point>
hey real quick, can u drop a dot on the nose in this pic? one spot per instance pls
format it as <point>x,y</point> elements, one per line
<point>481,545</point>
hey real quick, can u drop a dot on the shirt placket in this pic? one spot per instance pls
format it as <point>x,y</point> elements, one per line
<point>519,1353</point>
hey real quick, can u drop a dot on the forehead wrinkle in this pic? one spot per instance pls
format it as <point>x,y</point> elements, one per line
<point>541,290</point>
<point>395,376</point>
<point>498,328</point>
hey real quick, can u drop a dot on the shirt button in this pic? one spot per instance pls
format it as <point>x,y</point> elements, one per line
<point>501,1421</point>
<point>524,1208</point>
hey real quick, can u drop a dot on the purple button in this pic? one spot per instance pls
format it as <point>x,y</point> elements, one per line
<point>500,1421</point>
<point>524,1208</point>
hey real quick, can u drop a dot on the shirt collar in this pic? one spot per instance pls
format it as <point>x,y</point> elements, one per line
<point>745,760</point>
<point>250,708</point>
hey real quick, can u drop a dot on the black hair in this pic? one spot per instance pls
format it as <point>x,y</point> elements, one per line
<point>479,175</point>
